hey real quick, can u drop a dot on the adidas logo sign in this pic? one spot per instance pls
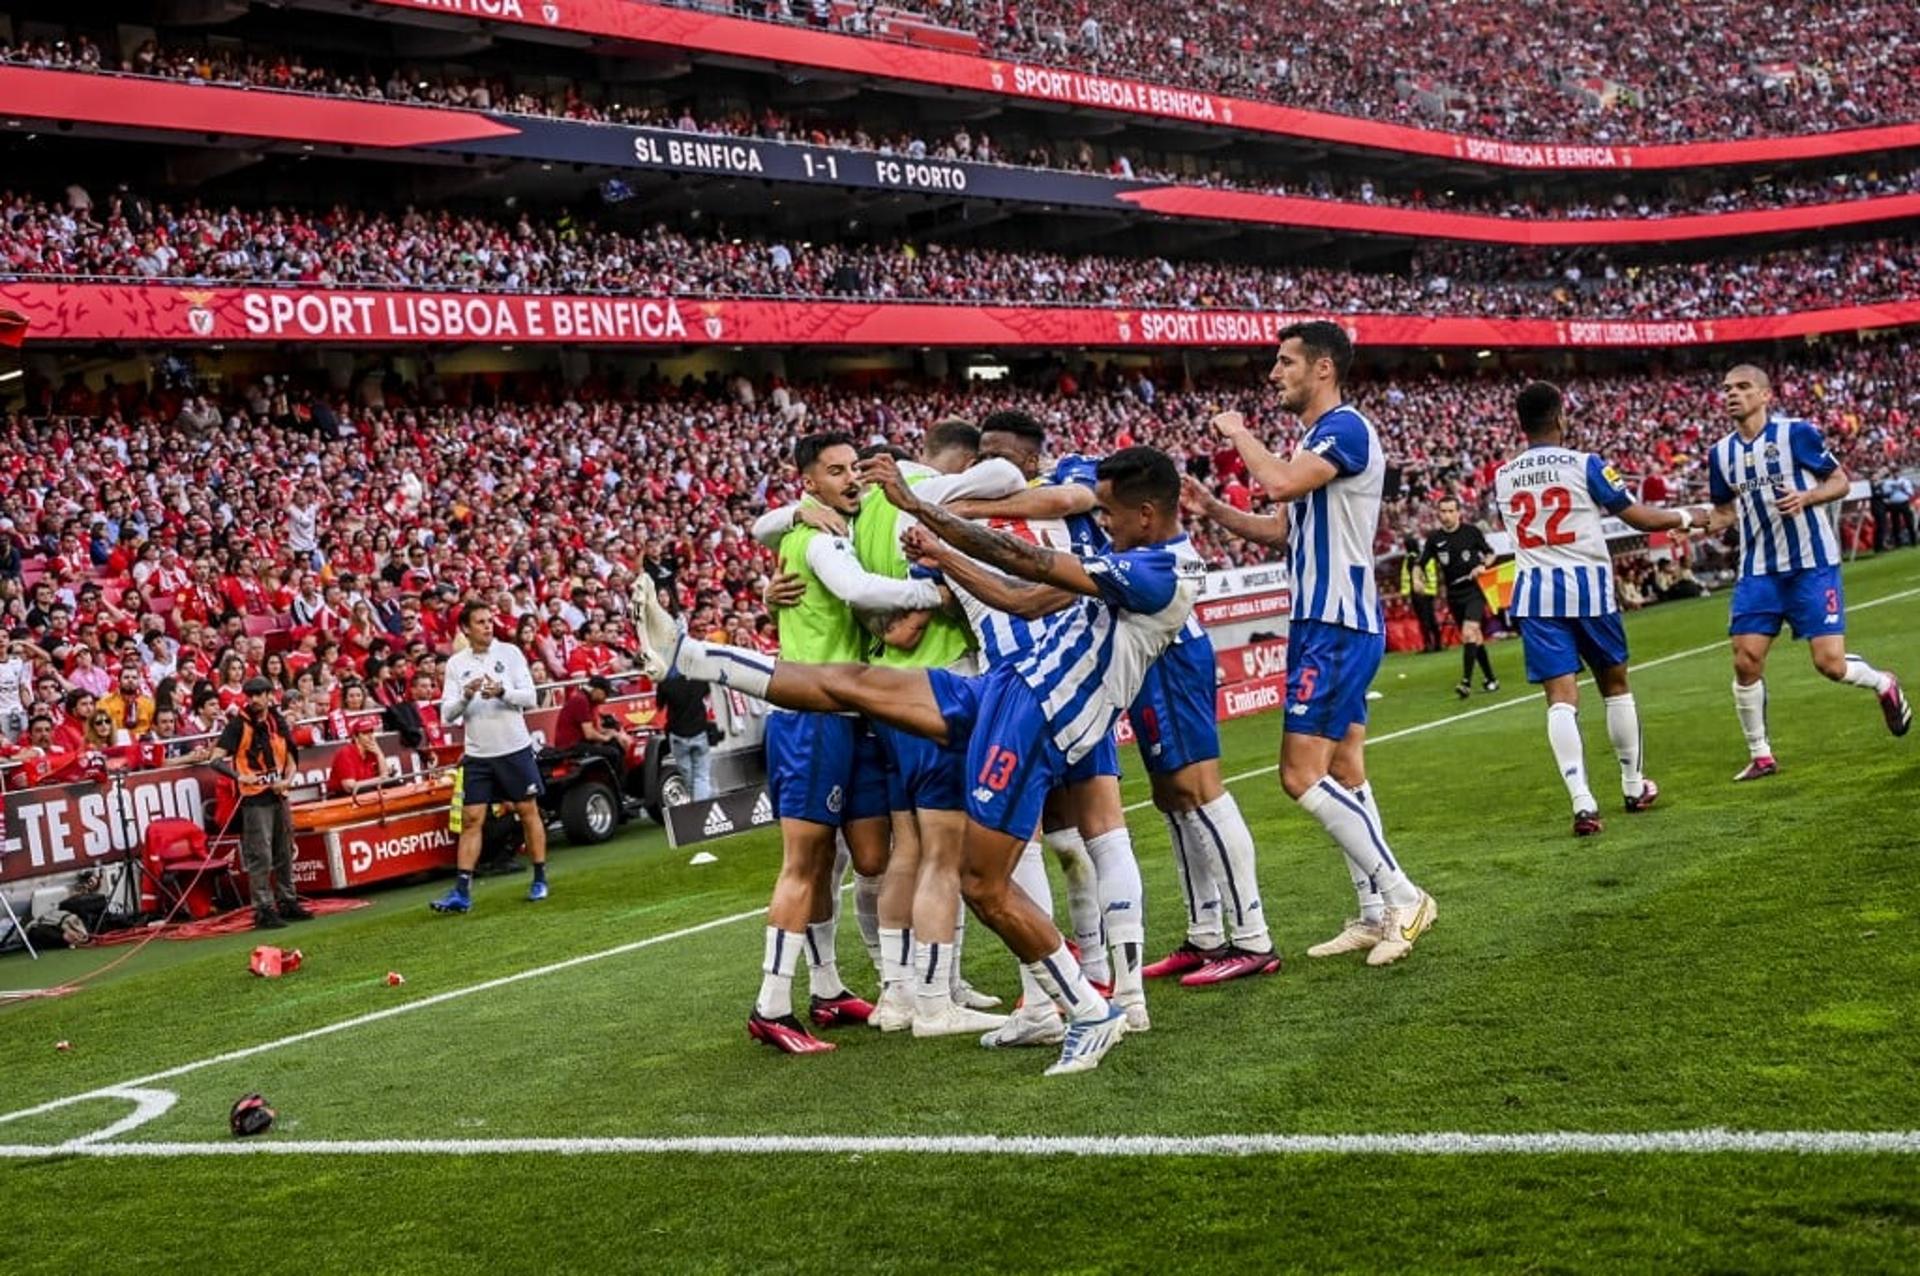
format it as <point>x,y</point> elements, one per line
<point>717,822</point>
<point>762,810</point>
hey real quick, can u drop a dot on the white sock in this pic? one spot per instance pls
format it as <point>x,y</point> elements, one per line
<point>1366,891</point>
<point>1030,875</point>
<point>715,662</point>
<point>823,962</point>
<point>1563,734</point>
<point>1623,728</point>
<point>896,956</point>
<point>1083,900</point>
<point>932,977</point>
<point>1231,842</point>
<point>1194,867</point>
<point>866,916</point>
<point>959,942</point>
<point>776,973</point>
<point>1359,838</point>
<point>1065,984</point>
<point>1861,674</point>
<point>1751,704</point>
<point>1117,874</point>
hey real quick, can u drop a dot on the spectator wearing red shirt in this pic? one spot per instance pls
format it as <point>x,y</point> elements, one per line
<point>360,764</point>
<point>580,731</point>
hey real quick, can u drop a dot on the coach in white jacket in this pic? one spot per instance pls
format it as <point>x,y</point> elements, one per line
<point>489,689</point>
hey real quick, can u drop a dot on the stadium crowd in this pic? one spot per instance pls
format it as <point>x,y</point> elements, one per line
<point>294,72</point>
<point>1572,70</point>
<point>131,237</point>
<point>159,545</point>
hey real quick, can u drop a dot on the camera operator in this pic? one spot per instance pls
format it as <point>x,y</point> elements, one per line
<point>257,750</point>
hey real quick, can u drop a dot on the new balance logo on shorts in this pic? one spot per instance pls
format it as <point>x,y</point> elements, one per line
<point>983,795</point>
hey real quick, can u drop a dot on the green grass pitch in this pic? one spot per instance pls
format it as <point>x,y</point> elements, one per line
<point>1742,957</point>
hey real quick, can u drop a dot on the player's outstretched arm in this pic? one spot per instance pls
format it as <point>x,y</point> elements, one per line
<point>1269,530</point>
<point>1287,480</point>
<point>776,523</point>
<point>1652,518</point>
<point>1062,500</point>
<point>996,549</point>
<point>1015,597</point>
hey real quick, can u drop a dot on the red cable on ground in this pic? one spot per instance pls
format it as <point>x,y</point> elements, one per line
<point>154,930</point>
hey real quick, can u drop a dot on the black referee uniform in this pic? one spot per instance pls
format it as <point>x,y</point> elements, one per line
<point>1460,554</point>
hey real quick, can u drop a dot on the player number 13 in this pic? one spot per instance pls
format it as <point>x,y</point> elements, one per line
<point>1557,502</point>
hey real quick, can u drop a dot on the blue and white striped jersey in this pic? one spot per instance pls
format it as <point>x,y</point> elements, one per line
<point>1787,455</point>
<point>1333,526</point>
<point>1091,658</point>
<point>1089,538</point>
<point>1551,498</point>
<point>1003,637</point>
<point>1086,535</point>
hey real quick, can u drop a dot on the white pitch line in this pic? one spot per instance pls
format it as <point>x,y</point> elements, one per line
<point>1556,1143</point>
<point>343,1025</point>
<point>1449,720</point>
<point>117,1091</point>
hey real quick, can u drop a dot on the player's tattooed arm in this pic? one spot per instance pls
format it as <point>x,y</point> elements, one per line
<point>1010,554</point>
<point>1020,598</point>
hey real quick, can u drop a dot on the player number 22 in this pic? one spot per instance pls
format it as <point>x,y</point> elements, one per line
<point>1558,504</point>
<point>998,768</point>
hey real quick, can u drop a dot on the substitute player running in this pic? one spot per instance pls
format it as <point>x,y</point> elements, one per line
<point>1551,498</point>
<point>1771,475</point>
<point>1461,550</point>
<point>1337,639</point>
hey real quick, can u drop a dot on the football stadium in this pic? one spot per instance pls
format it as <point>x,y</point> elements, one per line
<point>807,635</point>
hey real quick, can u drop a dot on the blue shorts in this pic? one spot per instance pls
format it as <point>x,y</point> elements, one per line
<point>1102,759</point>
<point>1012,761</point>
<point>1329,671</point>
<point>1174,718</point>
<point>824,768</point>
<point>1557,645</point>
<point>512,777</point>
<point>1810,599</point>
<point>922,775</point>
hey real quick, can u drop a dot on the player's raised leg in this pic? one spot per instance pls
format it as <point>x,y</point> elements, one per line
<point>897,696</point>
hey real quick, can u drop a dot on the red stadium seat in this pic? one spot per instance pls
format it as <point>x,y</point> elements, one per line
<point>174,855</point>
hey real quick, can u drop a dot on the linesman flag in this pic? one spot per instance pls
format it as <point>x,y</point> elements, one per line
<point>1496,582</point>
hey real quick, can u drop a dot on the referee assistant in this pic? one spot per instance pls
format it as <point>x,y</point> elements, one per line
<point>489,688</point>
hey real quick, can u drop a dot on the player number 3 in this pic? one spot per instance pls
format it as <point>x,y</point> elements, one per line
<point>1558,504</point>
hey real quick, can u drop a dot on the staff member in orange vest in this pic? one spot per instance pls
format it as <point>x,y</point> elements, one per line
<point>257,750</point>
